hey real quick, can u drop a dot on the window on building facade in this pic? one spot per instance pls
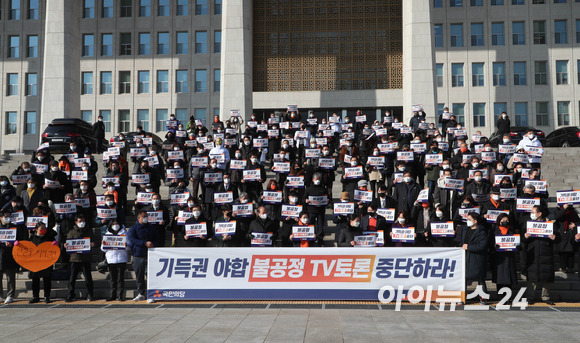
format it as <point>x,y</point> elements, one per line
<point>143,119</point>
<point>561,72</point>
<point>456,35</point>
<point>217,41</point>
<point>217,80</point>
<point>126,8</point>
<point>14,10</point>
<point>520,78</point>
<point>89,9</point>
<point>32,9</point>
<point>478,114</point>
<point>124,82</point>
<point>499,74</point>
<point>162,43</point>
<point>200,42</point>
<point>200,7</point>
<point>14,47</point>
<point>30,128</point>
<point>161,118</point>
<point>163,8</point>
<point>560,32</point>
<point>457,75</point>
<point>563,113</point>
<point>438,34</point>
<point>144,8</point>
<point>181,45</point>
<point>31,84</point>
<point>455,3</point>
<point>542,115</point>
<point>32,46</point>
<point>477,75</point>
<point>497,34</point>
<point>162,81</point>
<point>11,123</point>
<point>144,43</point>
<point>87,115</point>
<point>540,32</point>
<point>201,81</point>
<point>125,44</point>
<point>87,85</point>
<point>181,85</point>
<point>459,112</point>
<point>541,72</point>
<point>107,9</point>
<point>439,74</point>
<point>12,83</point>
<point>498,109</point>
<point>124,121</point>
<point>106,114</point>
<point>217,7</point>
<point>518,33</point>
<point>106,82</point>
<point>107,44</point>
<point>521,113</point>
<point>143,82</point>
<point>476,34</point>
<point>182,8</point>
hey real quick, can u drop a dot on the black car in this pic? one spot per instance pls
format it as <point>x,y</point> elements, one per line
<point>130,139</point>
<point>516,135</point>
<point>63,131</point>
<point>564,137</point>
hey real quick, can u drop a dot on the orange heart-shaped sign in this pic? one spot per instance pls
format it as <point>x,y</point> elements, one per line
<point>35,258</point>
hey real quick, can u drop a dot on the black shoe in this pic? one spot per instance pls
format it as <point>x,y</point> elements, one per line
<point>550,302</point>
<point>111,299</point>
<point>47,300</point>
<point>122,299</point>
<point>70,299</point>
<point>90,297</point>
<point>34,300</point>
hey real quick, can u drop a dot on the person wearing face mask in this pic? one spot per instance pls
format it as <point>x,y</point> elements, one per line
<point>90,173</point>
<point>196,172</point>
<point>418,117</point>
<point>457,160</point>
<point>504,267</point>
<point>38,236</point>
<point>351,229</point>
<point>31,195</point>
<point>140,238</point>
<point>432,171</point>
<point>155,167</point>
<point>479,187</point>
<point>163,233</point>
<point>85,192</point>
<point>99,133</point>
<point>402,221</point>
<point>316,211</point>
<point>225,240</point>
<point>198,217</point>
<point>447,197</point>
<point>8,265</point>
<point>566,218</point>
<point>371,221</point>
<point>172,124</point>
<point>220,150</point>
<point>27,171</point>
<point>303,220</point>
<point>120,192</point>
<point>174,226</point>
<point>56,193</point>
<point>475,241</point>
<point>441,215</point>
<point>349,149</point>
<point>80,262</point>
<point>537,258</point>
<point>466,201</point>
<point>528,141</point>
<point>244,221</point>
<point>495,204</point>
<point>328,176</point>
<point>253,188</point>
<point>226,186</point>
<point>116,262</point>
<point>350,184</point>
<point>7,191</point>
<point>423,214</point>
<point>503,124</point>
<point>263,224</point>
<point>288,222</point>
<point>110,204</point>
<point>406,193</point>
<point>210,187</point>
<point>247,148</point>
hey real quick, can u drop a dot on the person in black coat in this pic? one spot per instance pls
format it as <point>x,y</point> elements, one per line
<point>99,133</point>
<point>566,217</point>
<point>38,236</point>
<point>263,224</point>
<point>162,232</point>
<point>373,222</point>
<point>197,218</point>
<point>406,193</point>
<point>8,265</point>
<point>316,212</point>
<point>423,214</point>
<point>503,124</point>
<point>537,259</point>
<point>64,185</point>
<point>474,240</point>
<point>351,229</point>
<point>504,268</point>
<point>441,215</point>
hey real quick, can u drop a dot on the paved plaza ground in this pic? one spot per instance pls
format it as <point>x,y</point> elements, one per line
<point>166,322</point>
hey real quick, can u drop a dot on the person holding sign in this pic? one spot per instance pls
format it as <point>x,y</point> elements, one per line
<point>504,268</point>
<point>8,266</point>
<point>262,224</point>
<point>349,231</point>
<point>226,240</point>
<point>157,206</point>
<point>302,221</point>
<point>80,262</point>
<point>114,213</point>
<point>424,214</point>
<point>289,221</point>
<point>402,222</point>
<point>197,218</point>
<point>116,261</point>
<point>372,221</point>
<point>7,191</point>
<point>316,210</point>
<point>56,183</point>
<point>254,187</point>
<point>566,216</point>
<point>474,240</point>
<point>537,259</point>
<point>352,175</point>
<point>267,200</point>
<point>406,193</point>
<point>38,236</point>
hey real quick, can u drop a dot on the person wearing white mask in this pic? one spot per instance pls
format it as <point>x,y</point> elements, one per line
<point>406,193</point>
<point>531,141</point>
<point>349,231</point>
<point>441,215</point>
<point>503,124</point>
<point>316,209</point>
<point>141,237</point>
<point>253,187</point>
<point>110,205</point>
<point>116,262</point>
<point>223,153</point>
<point>263,224</point>
<point>157,206</point>
<point>478,187</point>
<point>495,203</point>
<point>88,200</point>
<point>474,240</point>
<point>537,258</point>
<point>80,262</point>
<point>61,184</point>
<point>197,218</point>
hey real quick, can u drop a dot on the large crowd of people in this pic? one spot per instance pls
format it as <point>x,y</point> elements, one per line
<point>394,176</point>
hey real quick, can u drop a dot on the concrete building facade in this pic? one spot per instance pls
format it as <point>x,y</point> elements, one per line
<point>137,61</point>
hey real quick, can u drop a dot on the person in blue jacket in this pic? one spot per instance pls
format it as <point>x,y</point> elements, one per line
<point>142,237</point>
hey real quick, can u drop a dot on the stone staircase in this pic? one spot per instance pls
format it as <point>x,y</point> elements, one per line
<point>559,168</point>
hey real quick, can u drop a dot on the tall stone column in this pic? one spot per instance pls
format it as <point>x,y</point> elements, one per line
<point>418,59</point>
<point>61,64</point>
<point>236,58</point>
